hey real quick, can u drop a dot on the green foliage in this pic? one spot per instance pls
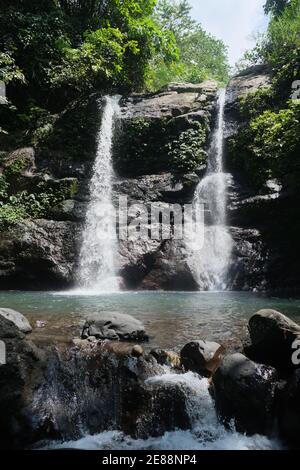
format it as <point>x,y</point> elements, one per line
<point>20,205</point>
<point>283,47</point>
<point>201,56</point>
<point>149,146</point>
<point>255,103</point>
<point>276,7</point>
<point>270,147</point>
<point>186,152</point>
<point>9,72</point>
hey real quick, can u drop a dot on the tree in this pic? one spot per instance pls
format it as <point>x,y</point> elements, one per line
<point>276,7</point>
<point>175,16</point>
<point>201,56</point>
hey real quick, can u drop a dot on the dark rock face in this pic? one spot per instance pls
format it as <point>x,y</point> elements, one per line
<point>272,337</point>
<point>271,212</point>
<point>159,156</point>
<point>202,357</point>
<point>21,374</point>
<point>245,393</point>
<point>289,411</point>
<point>38,253</point>
<point>114,326</point>
<point>248,81</point>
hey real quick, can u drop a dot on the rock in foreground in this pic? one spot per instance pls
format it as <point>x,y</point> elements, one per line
<point>245,394</point>
<point>17,319</point>
<point>114,327</point>
<point>272,336</point>
<point>202,357</point>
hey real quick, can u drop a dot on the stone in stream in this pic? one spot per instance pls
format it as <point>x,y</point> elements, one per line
<point>167,358</point>
<point>289,411</point>
<point>20,375</point>
<point>202,357</point>
<point>17,319</point>
<point>245,394</point>
<point>272,337</point>
<point>115,327</point>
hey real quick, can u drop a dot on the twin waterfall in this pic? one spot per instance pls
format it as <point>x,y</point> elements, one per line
<point>97,270</point>
<point>210,262</point>
<point>99,246</point>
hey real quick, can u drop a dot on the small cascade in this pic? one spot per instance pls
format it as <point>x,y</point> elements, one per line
<point>205,430</point>
<point>210,262</point>
<point>96,271</point>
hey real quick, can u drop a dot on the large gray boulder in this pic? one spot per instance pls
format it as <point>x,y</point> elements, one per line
<point>203,357</point>
<point>272,337</point>
<point>114,326</point>
<point>17,319</point>
<point>245,394</point>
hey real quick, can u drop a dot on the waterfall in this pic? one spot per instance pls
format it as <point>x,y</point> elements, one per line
<point>99,246</point>
<point>210,262</point>
<point>205,432</point>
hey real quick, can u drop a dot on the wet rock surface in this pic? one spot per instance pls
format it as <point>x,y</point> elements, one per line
<point>245,394</point>
<point>203,357</point>
<point>44,253</point>
<point>38,253</point>
<point>114,326</point>
<point>53,391</point>
<point>272,338</point>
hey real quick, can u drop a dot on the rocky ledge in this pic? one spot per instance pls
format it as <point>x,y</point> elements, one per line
<point>159,156</point>
<point>102,380</point>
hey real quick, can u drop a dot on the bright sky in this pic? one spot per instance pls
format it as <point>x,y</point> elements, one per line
<point>233,21</point>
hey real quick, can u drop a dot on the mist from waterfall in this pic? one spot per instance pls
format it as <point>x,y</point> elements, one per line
<point>96,271</point>
<point>210,262</point>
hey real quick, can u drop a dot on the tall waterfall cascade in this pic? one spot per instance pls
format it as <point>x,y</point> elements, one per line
<point>210,262</point>
<point>97,260</point>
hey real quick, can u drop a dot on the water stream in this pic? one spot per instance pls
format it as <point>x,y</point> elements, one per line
<point>210,262</point>
<point>96,271</point>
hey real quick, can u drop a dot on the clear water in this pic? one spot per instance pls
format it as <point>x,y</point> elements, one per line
<point>171,319</point>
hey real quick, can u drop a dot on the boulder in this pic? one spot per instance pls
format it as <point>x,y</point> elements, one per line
<point>21,373</point>
<point>289,411</point>
<point>114,326</point>
<point>245,394</point>
<point>272,336</point>
<point>202,357</point>
<point>167,358</point>
<point>17,319</point>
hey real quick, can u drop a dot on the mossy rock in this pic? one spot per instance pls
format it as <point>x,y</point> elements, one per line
<point>150,146</point>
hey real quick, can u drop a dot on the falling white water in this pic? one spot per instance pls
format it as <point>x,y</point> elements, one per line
<point>210,262</point>
<point>206,432</point>
<point>99,246</point>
